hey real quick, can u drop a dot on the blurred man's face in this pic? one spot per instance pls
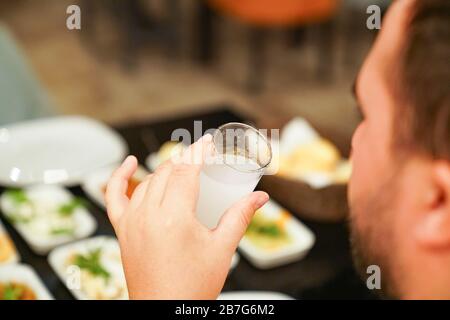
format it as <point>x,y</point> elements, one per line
<point>376,190</point>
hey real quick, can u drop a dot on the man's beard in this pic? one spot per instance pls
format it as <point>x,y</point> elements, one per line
<point>372,239</point>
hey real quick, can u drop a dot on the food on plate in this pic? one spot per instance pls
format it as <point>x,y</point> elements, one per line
<point>16,291</point>
<point>95,184</point>
<point>21,282</point>
<point>306,156</point>
<point>99,265</point>
<point>274,237</point>
<point>96,280</point>
<point>7,249</point>
<point>47,216</point>
<point>42,216</point>
<point>268,233</point>
<point>168,150</point>
<point>8,252</point>
<point>343,172</point>
<point>316,156</point>
<point>132,185</point>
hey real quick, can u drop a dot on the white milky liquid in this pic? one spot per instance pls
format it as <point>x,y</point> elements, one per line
<point>221,186</point>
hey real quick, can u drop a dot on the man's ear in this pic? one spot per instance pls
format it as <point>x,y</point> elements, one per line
<point>434,229</point>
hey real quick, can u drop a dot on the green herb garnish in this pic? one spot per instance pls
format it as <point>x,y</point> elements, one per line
<point>12,292</point>
<point>271,230</point>
<point>16,218</point>
<point>91,263</point>
<point>17,195</point>
<point>62,231</point>
<point>265,228</point>
<point>68,208</point>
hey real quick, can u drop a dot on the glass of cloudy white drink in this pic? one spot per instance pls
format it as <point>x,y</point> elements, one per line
<point>239,158</point>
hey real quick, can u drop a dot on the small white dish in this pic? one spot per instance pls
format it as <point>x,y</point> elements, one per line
<point>301,240</point>
<point>152,161</point>
<point>8,251</point>
<point>35,231</point>
<point>253,295</point>
<point>57,150</point>
<point>82,286</point>
<point>24,274</point>
<point>235,261</point>
<point>93,185</point>
<point>166,151</point>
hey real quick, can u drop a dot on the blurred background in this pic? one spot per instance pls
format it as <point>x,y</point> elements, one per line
<point>135,59</point>
<point>147,67</point>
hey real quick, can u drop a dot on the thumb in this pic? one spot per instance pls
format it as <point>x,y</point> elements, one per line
<point>236,219</point>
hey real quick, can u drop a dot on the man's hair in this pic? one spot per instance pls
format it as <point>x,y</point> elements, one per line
<point>424,80</point>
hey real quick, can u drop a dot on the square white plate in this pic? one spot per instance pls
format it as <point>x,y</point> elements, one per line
<point>85,223</point>
<point>58,257</point>
<point>253,295</point>
<point>302,240</point>
<point>24,274</point>
<point>56,150</point>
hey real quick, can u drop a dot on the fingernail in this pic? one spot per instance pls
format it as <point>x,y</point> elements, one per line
<point>207,137</point>
<point>127,160</point>
<point>262,199</point>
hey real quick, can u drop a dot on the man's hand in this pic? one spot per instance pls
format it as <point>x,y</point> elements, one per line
<point>166,252</point>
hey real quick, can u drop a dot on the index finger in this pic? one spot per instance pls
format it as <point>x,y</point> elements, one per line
<point>183,184</point>
<point>196,153</point>
<point>115,196</point>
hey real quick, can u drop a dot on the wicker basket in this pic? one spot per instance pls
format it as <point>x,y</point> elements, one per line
<point>328,204</point>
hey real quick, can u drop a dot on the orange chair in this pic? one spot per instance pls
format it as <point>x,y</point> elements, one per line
<point>277,12</point>
<point>264,14</point>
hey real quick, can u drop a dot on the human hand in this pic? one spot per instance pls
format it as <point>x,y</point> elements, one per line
<point>166,252</point>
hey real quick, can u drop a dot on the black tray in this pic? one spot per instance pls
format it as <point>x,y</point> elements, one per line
<point>326,272</point>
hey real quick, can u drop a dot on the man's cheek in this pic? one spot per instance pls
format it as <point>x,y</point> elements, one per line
<point>358,177</point>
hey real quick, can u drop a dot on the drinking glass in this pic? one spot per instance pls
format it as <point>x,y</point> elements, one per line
<point>239,158</point>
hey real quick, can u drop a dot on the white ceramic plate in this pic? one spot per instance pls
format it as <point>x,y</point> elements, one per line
<point>302,240</point>
<point>24,274</point>
<point>93,184</point>
<point>56,150</point>
<point>152,161</point>
<point>85,224</point>
<point>235,261</point>
<point>14,256</point>
<point>253,295</point>
<point>59,256</point>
